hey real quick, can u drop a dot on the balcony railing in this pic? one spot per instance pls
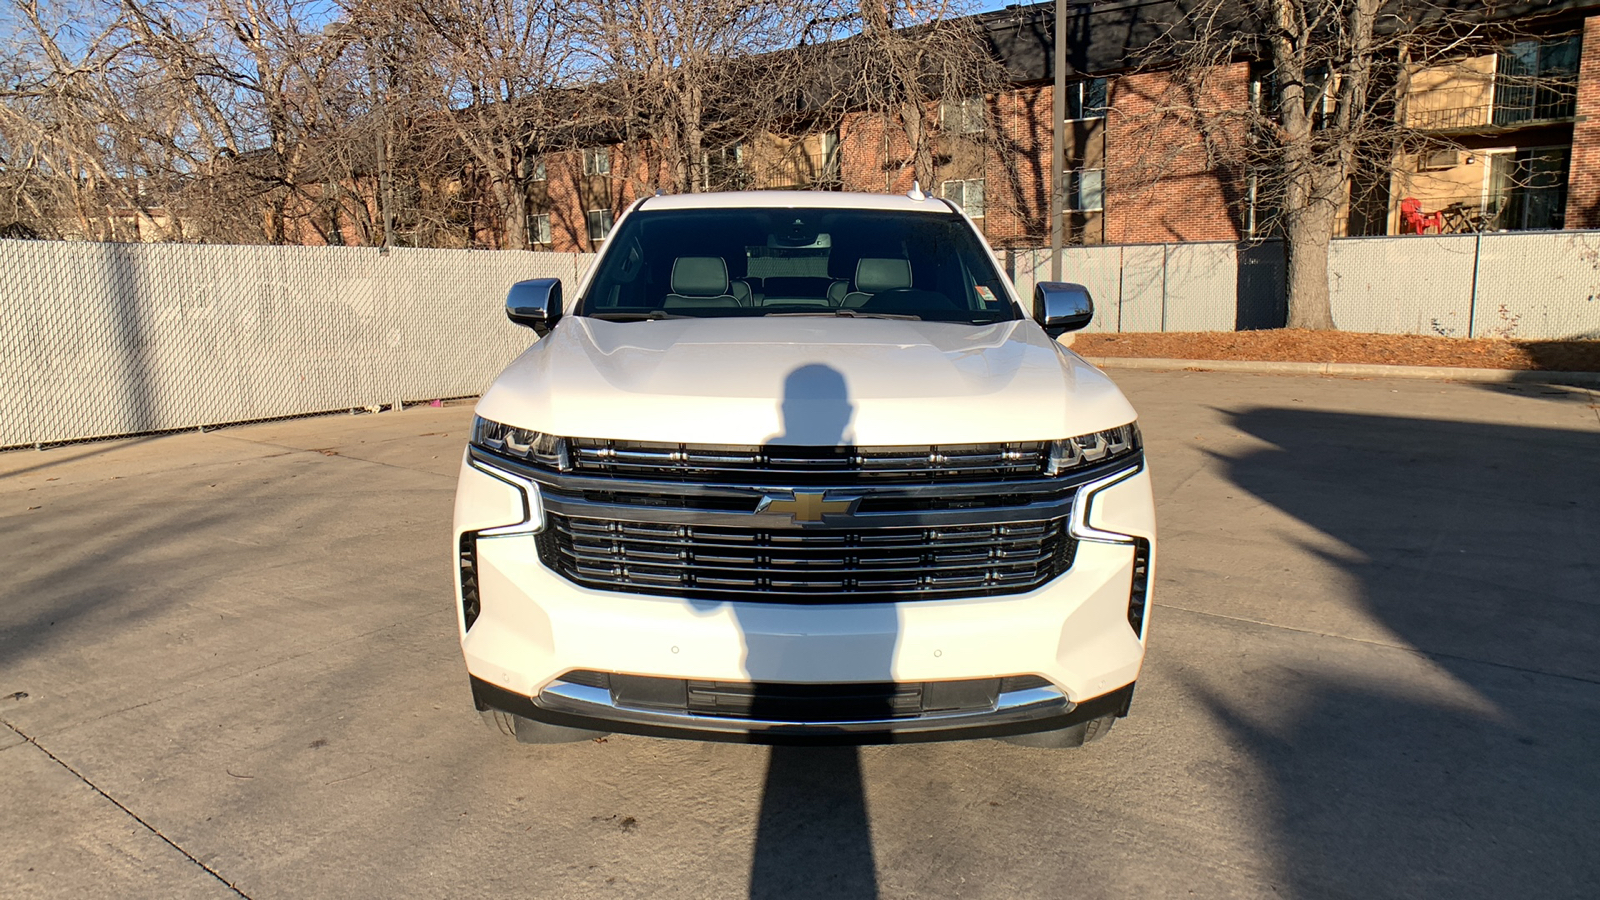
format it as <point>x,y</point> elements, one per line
<point>792,171</point>
<point>1516,104</point>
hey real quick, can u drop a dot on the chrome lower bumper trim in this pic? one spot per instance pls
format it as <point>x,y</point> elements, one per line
<point>1011,707</point>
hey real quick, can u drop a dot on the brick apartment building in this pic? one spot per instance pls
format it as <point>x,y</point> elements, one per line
<point>1516,132</point>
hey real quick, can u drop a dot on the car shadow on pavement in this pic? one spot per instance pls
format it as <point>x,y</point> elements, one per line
<point>813,838</point>
<point>1469,771</point>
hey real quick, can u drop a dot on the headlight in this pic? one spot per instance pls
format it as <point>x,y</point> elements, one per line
<point>1090,449</point>
<point>544,450</point>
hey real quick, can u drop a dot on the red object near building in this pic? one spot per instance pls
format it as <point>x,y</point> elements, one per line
<point>1414,221</point>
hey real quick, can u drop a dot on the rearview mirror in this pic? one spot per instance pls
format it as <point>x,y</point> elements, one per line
<point>1061,306</point>
<point>535,303</point>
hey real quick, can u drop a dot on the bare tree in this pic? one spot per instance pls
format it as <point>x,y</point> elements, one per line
<point>261,120</point>
<point>197,121</point>
<point>60,176</point>
<point>1327,109</point>
<point>478,84</point>
<point>906,58</point>
<point>676,70</point>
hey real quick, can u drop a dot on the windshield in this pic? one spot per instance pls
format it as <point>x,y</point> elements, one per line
<point>766,262</point>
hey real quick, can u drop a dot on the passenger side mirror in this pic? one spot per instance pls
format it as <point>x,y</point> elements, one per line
<point>1061,306</point>
<point>535,303</point>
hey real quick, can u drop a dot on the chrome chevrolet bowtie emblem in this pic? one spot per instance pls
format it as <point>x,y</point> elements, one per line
<point>807,507</point>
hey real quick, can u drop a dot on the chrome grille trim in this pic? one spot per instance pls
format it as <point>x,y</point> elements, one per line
<point>696,540</point>
<point>779,464</point>
<point>806,566</point>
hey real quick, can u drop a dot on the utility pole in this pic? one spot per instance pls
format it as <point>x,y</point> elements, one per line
<point>1058,150</point>
<point>384,186</point>
<point>383,166</point>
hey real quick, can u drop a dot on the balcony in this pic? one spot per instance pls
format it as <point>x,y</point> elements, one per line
<point>1531,82</point>
<point>1515,106</point>
<point>1517,209</point>
<point>790,171</point>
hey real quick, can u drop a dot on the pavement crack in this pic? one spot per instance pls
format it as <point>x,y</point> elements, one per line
<point>324,451</point>
<point>1415,651</point>
<point>130,813</point>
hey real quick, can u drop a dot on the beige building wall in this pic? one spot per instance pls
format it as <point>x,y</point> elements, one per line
<point>777,161</point>
<point>1455,95</point>
<point>1459,94</point>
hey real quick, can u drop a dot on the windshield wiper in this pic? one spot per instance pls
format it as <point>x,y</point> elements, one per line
<point>844,313</point>
<point>652,315</point>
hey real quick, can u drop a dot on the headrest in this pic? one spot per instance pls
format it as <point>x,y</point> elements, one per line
<point>874,275</point>
<point>700,276</point>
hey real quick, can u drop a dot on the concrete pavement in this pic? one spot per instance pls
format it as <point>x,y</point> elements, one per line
<point>228,667</point>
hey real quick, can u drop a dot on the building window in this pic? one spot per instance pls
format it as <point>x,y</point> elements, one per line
<point>966,194</point>
<point>1526,189</point>
<point>1537,80</point>
<point>723,169</point>
<point>537,172</point>
<point>1319,95</point>
<point>962,116</point>
<point>597,161</point>
<point>1086,99</point>
<point>599,224</point>
<point>1086,190</point>
<point>541,229</point>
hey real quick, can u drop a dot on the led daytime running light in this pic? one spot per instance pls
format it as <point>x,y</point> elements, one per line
<point>1091,449</point>
<point>544,450</point>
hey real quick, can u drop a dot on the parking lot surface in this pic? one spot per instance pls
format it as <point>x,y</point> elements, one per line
<point>228,667</point>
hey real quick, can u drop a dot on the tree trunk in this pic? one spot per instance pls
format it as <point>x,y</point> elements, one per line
<point>514,211</point>
<point>694,138</point>
<point>1308,235</point>
<point>916,128</point>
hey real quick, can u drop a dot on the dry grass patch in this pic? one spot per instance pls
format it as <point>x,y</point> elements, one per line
<point>1294,345</point>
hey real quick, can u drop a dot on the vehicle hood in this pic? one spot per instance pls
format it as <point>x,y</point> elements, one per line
<point>803,380</point>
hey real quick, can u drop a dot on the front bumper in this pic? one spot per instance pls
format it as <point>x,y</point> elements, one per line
<point>592,709</point>
<point>532,627</point>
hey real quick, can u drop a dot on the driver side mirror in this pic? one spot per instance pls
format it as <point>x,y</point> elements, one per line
<point>1061,306</point>
<point>535,303</point>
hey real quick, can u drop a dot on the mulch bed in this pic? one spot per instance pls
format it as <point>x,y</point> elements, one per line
<point>1297,345</point>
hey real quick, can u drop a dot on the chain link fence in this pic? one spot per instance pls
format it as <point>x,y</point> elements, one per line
<point>1526,285</point>
<point>98,340</point>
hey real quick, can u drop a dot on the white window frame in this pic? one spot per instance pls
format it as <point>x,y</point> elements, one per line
<point>541,229</point>
<point>963,183</point>
<point>597,160</point>
<point>605,223</point>
<point>721,155</point>
<point>1074,191</point>
<point>538,173</point>
<point>1077,87</point>
<point>964,116</point>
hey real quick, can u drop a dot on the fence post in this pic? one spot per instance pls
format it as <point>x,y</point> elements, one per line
<point>1164,249</point>
<point>1121,259</point>
<point>1472,305</point>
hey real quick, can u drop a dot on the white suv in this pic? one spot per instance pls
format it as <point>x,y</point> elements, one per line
<point>797,467</point>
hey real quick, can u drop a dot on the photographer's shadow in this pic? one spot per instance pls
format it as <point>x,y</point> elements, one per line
<point>813,838</point>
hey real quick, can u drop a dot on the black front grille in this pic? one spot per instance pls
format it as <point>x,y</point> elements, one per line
<point>809,565</point>
<point>716,463</point>
<point>1139,594</point>
<point>467,560</point>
